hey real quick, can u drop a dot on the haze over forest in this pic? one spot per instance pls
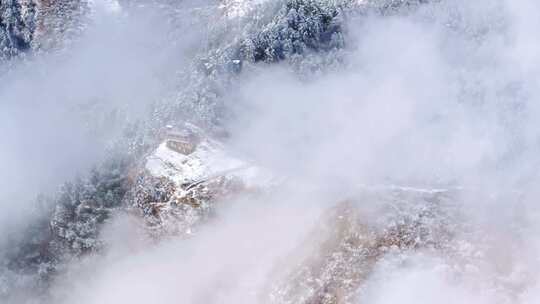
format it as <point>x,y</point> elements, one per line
<point>269,151</point>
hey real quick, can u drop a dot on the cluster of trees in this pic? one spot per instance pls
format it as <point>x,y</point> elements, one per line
<point>83,205</point>
<point>300,26</point>
<point>70,220</point>
<point>17,26</point>
<point>33,25</point>
<point>309,35</point>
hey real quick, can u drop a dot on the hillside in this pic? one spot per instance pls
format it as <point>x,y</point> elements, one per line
<point>268,151</point>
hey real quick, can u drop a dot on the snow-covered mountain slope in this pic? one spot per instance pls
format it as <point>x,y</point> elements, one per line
<point>195,172</point>
<point>277,162</point>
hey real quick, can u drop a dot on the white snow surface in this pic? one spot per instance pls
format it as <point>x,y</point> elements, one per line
<point>209,160</point>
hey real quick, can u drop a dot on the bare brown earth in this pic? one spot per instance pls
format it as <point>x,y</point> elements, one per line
<point>341,253</point>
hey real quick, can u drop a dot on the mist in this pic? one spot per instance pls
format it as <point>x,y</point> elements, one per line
<point>439,98</point>
<point>60,112</point>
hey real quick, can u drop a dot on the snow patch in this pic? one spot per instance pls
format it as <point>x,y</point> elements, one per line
<point>209,160</point>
